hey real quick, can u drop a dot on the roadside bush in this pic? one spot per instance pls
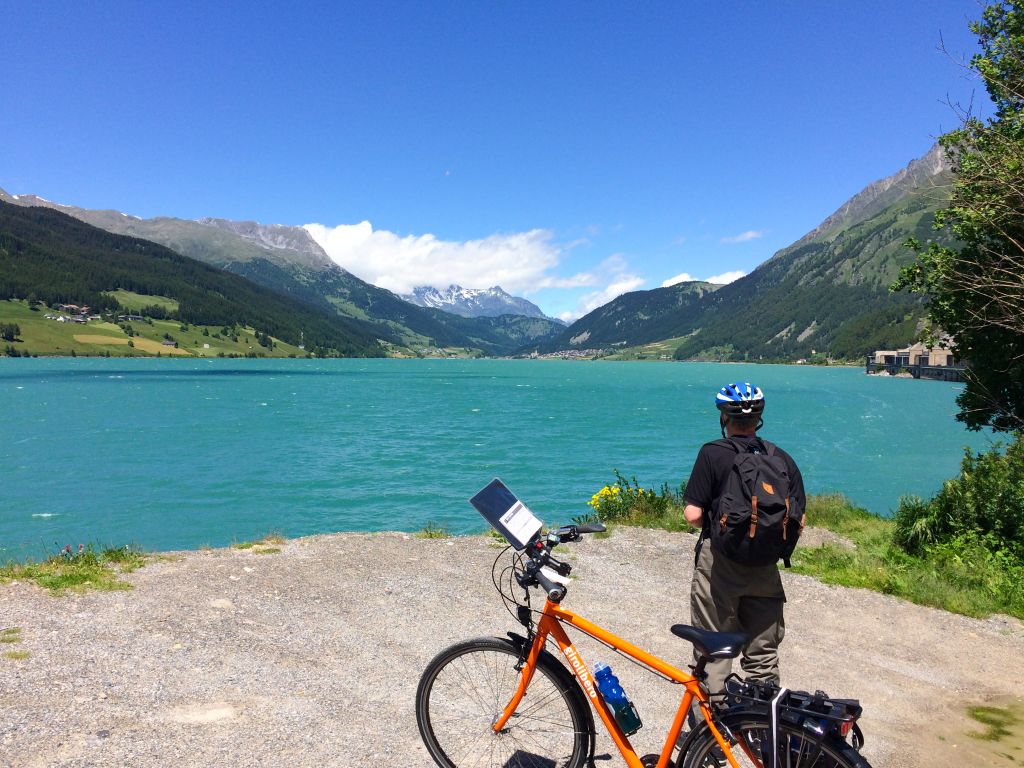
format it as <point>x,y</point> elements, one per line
<point>968,574</point>
<point>984,504</point>
<point>624,501</point>
<point>979,563</point>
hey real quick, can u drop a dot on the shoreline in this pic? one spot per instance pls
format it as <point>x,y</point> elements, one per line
<point>311,654</point>
<point>423,357</point>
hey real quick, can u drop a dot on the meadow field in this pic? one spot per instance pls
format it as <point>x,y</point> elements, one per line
<point>39,335</point>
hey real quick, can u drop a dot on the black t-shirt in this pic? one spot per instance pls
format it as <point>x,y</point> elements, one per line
<point>713,464</point>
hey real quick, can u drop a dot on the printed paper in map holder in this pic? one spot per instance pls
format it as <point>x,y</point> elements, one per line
<point>509,516</point>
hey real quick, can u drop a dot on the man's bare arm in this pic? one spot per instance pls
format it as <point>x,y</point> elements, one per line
<point>694,515</point>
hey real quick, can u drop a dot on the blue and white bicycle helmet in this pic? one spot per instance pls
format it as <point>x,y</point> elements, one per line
<point>740,400</point>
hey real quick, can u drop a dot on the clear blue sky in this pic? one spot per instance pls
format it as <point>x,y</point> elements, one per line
<point>586,145</point>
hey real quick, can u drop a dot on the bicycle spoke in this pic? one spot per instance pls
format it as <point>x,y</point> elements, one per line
<point>538,702</point>
<point>477,694</point>
<point>796,748</point>
<point>469,689</point>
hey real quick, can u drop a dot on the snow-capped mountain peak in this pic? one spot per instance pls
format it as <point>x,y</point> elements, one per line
<point>473,302</point>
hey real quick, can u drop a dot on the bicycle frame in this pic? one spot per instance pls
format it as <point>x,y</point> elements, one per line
<point>552,617</point>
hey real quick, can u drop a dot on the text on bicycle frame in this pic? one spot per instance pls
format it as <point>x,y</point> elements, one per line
<point>581,671</point>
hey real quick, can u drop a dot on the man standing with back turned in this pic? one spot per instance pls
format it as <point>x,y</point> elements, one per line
<point>747,496</point>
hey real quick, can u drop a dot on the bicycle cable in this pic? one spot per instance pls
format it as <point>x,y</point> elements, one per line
<point>510,599</point>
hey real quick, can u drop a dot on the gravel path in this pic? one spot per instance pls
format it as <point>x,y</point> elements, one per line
<point>311,657</point>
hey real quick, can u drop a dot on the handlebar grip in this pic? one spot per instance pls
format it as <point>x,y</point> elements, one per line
<point>591,528</point>
<point>555,590</point>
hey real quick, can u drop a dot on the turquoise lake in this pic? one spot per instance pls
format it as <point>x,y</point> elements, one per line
<point>172,454</point>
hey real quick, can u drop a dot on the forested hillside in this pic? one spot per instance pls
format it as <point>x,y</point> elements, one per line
<point>52,257</point>
<point>827,294</point>
<point>824,295</point>
<point>393,319</point>
<point>288,261</point>
<point>636,318</point>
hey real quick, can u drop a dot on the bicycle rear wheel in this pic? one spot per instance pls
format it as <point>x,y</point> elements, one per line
<point>467,685</point>
<point>752,734</point>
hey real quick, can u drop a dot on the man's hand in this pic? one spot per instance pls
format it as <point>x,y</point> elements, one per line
<point>694,515</point>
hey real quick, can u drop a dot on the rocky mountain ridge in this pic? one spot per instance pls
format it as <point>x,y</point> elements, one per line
<point>276,236</point>
<point>826,294</point>
<point>929,170</point>
<point>204,241</point>
<point>288,261</point>
<point>473,302</point>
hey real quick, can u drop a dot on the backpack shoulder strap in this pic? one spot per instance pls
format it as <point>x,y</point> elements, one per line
<point>728,442</point>
<point>705,530</point>
<point>725,442</point>
<point>769,448</point>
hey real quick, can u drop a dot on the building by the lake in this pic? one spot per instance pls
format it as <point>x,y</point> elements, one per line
<point>919,360</point>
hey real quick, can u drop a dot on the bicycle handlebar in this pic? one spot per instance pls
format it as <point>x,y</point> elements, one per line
<point>539,553</point>
<point>555,591</point>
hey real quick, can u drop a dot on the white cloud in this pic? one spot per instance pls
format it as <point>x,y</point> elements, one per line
<point>750,234</point>
<point>682,277</point>
<point>726,277</point>
<point>619,278</point>
<point>520,262</point>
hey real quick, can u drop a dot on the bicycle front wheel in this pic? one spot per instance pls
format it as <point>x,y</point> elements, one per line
<point>467,686</point>
<point>752,734</point>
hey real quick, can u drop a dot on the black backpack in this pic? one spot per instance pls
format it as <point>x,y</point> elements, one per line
<point>755,520</point>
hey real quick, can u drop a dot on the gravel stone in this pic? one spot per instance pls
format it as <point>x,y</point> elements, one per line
<point>311,657</point>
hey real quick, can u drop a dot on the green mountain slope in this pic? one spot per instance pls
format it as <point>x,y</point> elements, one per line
<point>288,261</point>
<point>211,241</point>
<point>61,259</point>
<point>827,293</point>
<point>635,318</point>
<point>393,319</point>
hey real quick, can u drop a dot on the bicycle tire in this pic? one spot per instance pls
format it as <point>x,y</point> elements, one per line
<point>750,730</point>
<point>466,685</point>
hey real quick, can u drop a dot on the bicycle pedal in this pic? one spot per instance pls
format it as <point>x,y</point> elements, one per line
<point>649,761</point>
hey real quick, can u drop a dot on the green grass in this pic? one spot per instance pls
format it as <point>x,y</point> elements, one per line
<point>969,581</point>
<point>40,336</point>
<point>16,655</point>
<point>625,502</point>
<point>262,546</point>
<point>10,635</point>
<point>133,302</point>
<point>966,583</point>
<point>434,530</point>
<point>670,520</point>
<point>495,539</point>
<point>657,350</point>
<point>78,571</point>
<point>997,721</point>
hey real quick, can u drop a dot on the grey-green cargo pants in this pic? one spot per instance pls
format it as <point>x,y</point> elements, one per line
<point>729,597</point>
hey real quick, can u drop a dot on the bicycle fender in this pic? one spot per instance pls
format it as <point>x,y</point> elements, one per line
<point>546,657</point>
<point>691,736</point>
<point>695,734</point>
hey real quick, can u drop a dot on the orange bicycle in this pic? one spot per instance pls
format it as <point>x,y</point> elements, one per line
<point>510,702</point>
